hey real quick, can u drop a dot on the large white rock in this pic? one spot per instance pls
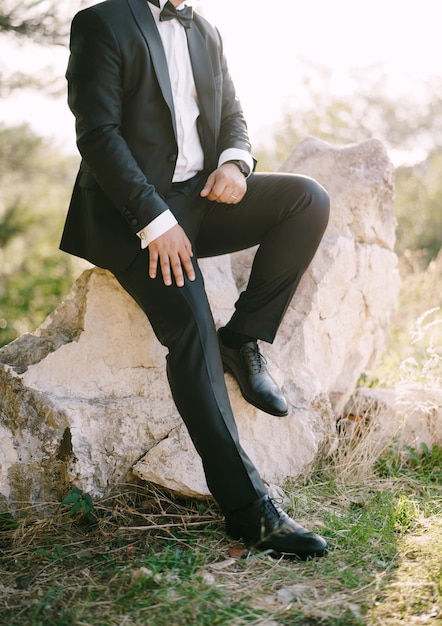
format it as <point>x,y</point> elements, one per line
<point>341,314</point>
<point>409,415</point>
<point>85,401</point>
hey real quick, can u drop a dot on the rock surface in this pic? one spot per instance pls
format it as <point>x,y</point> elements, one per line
<point>407,415</point>
<point>85,401</point>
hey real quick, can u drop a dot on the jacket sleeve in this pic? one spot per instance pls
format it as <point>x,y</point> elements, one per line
<point>95,96</point>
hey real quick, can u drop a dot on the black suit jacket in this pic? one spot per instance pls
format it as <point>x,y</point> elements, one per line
<point>120,94</point>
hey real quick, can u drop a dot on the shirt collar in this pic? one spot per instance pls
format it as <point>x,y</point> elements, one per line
<point>163,2</point>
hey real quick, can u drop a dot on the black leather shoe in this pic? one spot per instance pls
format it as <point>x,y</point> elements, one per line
<point>266,526</point>
<point>248,366</point>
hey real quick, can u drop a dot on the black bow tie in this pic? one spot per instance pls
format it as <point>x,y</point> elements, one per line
<point>185,15</point>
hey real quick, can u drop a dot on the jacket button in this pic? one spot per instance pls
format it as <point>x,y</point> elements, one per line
<point>172,157</point>
<point>133,221</point>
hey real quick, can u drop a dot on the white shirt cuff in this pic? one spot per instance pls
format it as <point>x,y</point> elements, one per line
<point>161,224</point>
<point>236,154</point>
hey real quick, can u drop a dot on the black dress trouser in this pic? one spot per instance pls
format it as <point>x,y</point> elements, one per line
<point>286,215</point>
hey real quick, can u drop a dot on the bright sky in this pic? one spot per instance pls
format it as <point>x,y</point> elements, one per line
<point>268,44</point>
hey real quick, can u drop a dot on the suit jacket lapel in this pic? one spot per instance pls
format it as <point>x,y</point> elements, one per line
<point>203,76</point>
<point>146,24</point>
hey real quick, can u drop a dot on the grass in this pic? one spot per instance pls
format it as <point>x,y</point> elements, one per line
<point>144,557</point>
<point>413,352</point>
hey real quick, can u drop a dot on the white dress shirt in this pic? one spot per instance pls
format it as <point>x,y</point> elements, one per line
<point>190,159</point>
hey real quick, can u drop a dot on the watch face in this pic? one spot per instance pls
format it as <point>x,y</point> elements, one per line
<point>242,167</point>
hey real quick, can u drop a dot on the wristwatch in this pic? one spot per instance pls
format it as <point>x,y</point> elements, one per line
<point>242,166</point>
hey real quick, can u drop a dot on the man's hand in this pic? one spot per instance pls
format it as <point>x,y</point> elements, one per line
<point>226,184</point>
<point>173,251</point>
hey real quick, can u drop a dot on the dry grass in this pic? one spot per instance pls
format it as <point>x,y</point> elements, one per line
<point>413,595</point>
<point>145,557</point>
<point>413,353</point>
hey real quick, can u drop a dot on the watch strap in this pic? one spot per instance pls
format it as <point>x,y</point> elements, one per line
<point>241,165</point>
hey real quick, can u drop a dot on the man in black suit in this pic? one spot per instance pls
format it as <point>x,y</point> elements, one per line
<point>166,178</point>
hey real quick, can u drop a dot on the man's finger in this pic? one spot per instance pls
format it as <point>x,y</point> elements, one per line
<point>165,271</point>
<point>153,264</point>
<point>188,268</point>
<point>177,272</point>
<point>208,187</point>
<point>173,251</point>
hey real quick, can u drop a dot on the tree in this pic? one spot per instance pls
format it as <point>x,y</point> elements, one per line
<point>43,22</point>
<point>418,207</point>
<point>35,182</point>
<point>405,123</point>
<point>410,128</point>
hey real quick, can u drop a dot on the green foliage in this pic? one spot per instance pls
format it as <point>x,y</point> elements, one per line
<point>426,459</point>
<point>418,207</point>
<point>54,554</point>
<point>7,522</point>
<point>80,502</point>
<point>406,513</point>
<point>423,461</point>
<point>35,184</point>
<point>410,128</point>
<point>413,351</point>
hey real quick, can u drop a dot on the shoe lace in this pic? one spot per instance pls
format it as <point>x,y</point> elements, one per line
<point>256,361</point>
<point>271,509</point>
